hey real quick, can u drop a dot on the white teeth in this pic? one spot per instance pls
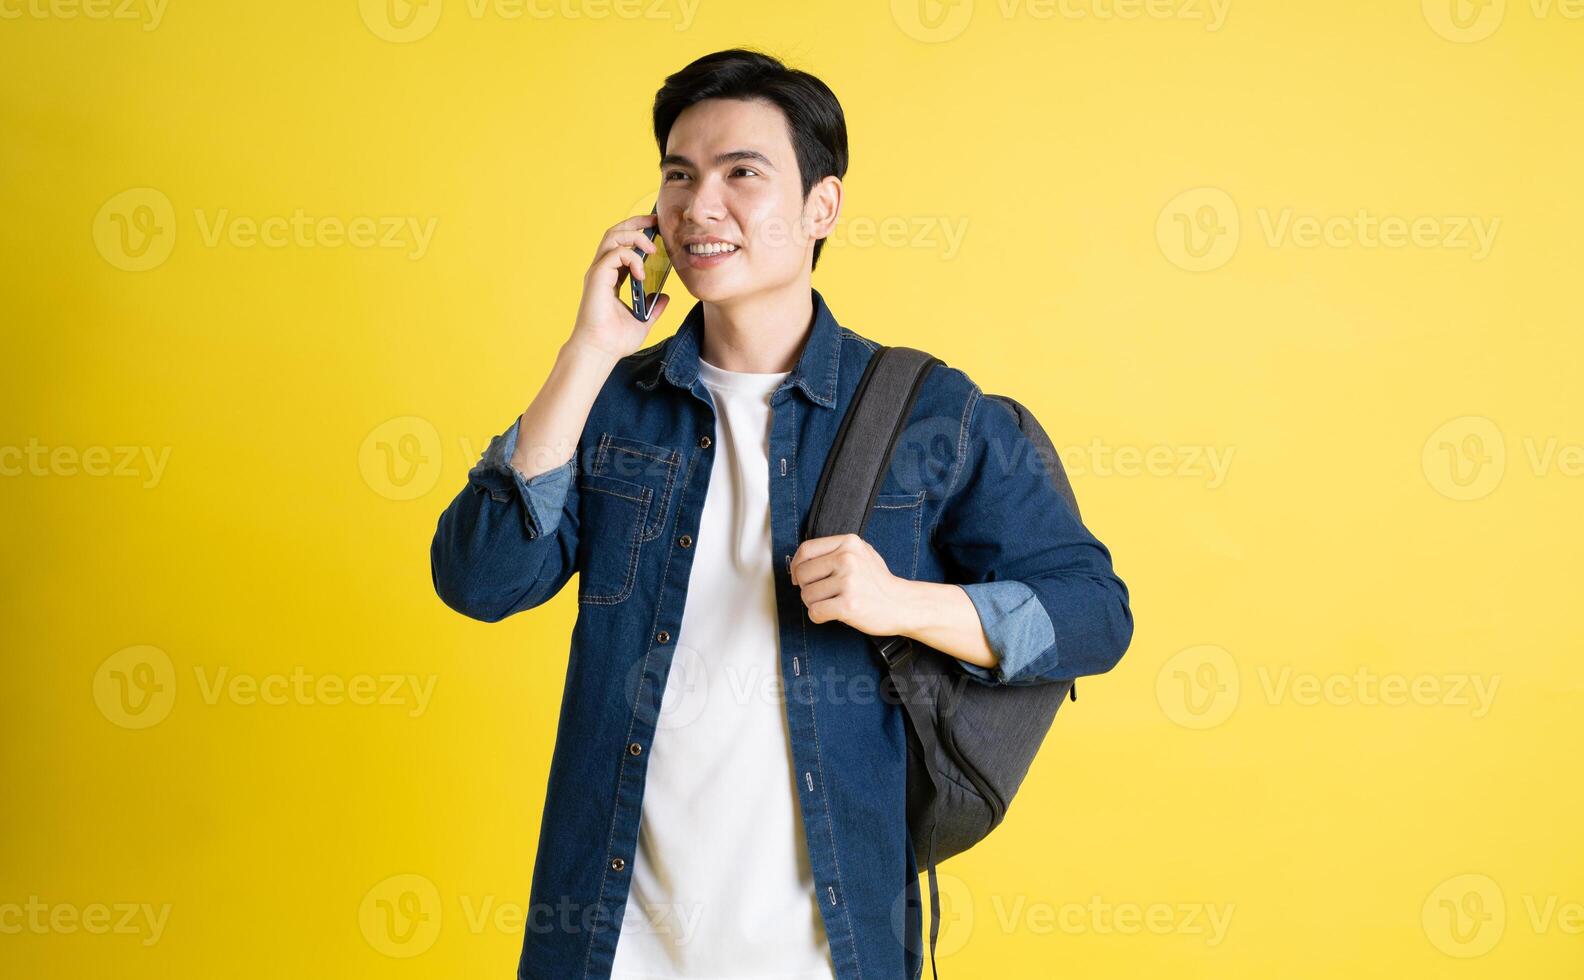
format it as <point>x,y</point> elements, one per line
<point>713,248</point>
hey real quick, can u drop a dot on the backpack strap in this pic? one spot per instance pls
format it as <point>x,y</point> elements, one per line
<point>851,479</point>
<point>855,468</point>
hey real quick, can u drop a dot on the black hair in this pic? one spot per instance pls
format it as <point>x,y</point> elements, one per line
<point>814,117</point>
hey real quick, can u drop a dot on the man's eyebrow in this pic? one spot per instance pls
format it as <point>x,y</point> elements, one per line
<point>676,159</point>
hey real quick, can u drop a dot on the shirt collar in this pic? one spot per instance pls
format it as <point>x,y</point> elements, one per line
<point>815,371</point>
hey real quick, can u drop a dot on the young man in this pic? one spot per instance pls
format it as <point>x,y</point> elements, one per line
<point>727,791</point>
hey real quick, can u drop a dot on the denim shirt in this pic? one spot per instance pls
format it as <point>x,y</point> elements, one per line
<point>967,501</point>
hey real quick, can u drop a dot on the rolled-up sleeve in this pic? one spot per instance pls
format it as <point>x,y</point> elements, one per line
<point>1051,605</point>
<point>506,542</point>
<point>542,494</point>
<point>1014,622</point>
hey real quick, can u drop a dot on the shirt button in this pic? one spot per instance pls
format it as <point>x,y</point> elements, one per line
<point>663,637</point>
<point>685,541</point>
<point>704,442</point>
<point>635,748</point>
<point>617,864</point>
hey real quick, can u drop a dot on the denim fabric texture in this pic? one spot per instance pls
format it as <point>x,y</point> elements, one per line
<point>967,501</point>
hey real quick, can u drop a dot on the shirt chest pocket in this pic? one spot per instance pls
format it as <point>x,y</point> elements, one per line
<point>895,523</point>
<point>623,499</point>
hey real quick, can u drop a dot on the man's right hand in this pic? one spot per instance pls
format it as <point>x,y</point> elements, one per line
<point>604,322</point>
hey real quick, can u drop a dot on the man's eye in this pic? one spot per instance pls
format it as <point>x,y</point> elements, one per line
<point>674,173</point>
<point>749,169</point>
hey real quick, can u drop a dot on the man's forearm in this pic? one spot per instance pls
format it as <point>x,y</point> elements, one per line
<point>942,616</point>
<point>550,427</point>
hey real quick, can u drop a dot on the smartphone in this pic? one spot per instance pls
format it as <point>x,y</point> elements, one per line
<point>640,296</point>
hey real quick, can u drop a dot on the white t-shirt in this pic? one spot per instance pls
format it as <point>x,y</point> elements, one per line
<point>721,884</point>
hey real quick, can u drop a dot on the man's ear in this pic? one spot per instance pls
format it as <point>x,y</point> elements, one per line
<point>823,207</point>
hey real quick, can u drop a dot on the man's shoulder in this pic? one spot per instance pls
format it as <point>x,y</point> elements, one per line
<point>944,385</point>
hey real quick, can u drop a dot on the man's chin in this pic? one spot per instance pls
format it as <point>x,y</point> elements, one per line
<point>714,289</point>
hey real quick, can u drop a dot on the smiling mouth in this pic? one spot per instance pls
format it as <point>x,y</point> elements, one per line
<point>711,249</point>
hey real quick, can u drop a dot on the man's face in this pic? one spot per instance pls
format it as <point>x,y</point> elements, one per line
<point>730,173</point>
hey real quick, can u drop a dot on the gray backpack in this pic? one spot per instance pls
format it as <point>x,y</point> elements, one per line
<point>964,733</point>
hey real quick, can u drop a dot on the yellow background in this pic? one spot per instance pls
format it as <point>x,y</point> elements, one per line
<point>290,524</point>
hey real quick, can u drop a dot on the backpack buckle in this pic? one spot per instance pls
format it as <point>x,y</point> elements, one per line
<point>895,650</point>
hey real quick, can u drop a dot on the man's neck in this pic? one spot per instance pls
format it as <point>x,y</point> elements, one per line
<point>763,333</point>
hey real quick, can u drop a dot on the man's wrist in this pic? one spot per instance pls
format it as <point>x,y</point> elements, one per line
<point>920,608</point>
<point>942,615</point>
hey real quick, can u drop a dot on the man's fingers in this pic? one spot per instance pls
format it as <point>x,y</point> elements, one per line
<point>824,588</point>
<point>814,547</point>
<point>813,569</point>
<point>808,551</point>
